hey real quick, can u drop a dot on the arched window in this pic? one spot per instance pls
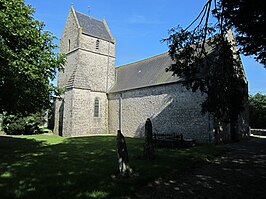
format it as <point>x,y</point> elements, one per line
<point>97,44</point>
<point>96,107</point>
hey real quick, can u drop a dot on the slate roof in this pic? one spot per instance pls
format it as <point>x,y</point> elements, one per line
<point>93,27</point>
<point>147,72</point>
<point>151,72</point>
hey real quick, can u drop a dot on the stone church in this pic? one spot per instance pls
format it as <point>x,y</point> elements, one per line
<point>101,99</point>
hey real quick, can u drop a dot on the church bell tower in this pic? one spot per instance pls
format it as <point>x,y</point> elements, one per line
<point>87,76</point>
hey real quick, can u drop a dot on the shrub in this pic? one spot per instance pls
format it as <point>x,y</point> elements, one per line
<point>22,125</point>
<point>257,111</point>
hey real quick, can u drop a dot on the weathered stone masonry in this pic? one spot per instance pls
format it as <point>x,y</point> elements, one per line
<point>100,98</point>
<point>88,74</point>
<point>171,107</point>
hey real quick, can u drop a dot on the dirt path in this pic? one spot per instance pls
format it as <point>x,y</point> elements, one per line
<point>241,173</point>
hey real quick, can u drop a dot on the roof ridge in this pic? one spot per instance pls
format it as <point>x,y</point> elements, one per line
<point>139,61</point>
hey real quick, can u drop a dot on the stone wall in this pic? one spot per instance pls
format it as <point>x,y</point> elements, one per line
<point>79,117</point>
<point>98,63</point>
<point>64,76</point>
<point>172,109</point>
<point>99,69</point>
<point>223,129</point>
<point>69,42</point>
<point>70,36</point>
<point>57,117</point>
<point>104,48</point>
<point>99,125</point>
<point>67,108</point>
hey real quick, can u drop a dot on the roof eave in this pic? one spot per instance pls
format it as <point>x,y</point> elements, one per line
<point>146,86</point>
<point>97,37</point>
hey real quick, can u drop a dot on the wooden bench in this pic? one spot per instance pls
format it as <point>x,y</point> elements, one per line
<point>167,140</point>
<point>171,140</point>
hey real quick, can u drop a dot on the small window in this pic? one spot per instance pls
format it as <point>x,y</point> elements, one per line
<point>69,45</point>
<point>96,107</point>
<point>97,44</point>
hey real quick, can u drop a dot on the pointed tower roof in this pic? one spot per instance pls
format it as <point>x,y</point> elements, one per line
<point>93,27</point>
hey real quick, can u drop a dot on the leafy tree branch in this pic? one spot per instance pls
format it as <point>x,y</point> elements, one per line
<point>207,59</point>
<point>27,58</point>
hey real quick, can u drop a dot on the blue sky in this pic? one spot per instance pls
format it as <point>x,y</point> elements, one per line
<point>138,26</point>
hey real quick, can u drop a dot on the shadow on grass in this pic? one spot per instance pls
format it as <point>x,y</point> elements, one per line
<point>82,167</point>
<point>239,173</point>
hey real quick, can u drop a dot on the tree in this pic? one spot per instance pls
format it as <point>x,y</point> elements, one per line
<point>206,57</point>
<point>19,125</point>
<point>27,58</point>
<point>257,111</point>
<point>249,20</point>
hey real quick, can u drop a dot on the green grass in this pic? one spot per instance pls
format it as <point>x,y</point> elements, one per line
<point>43,166</point>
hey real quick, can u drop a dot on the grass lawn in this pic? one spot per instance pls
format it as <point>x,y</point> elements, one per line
<point>43,166</point>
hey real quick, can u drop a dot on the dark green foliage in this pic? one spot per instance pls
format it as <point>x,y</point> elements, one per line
<point>216,73</point>
<point>257,111</point>
<point>27,60</point>
<point>249,20</point>
<point>208,61</point>
<point>23,125</point>
<point>224,86</point>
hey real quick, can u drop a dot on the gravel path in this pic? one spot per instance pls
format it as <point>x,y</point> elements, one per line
<point>240,173</point>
